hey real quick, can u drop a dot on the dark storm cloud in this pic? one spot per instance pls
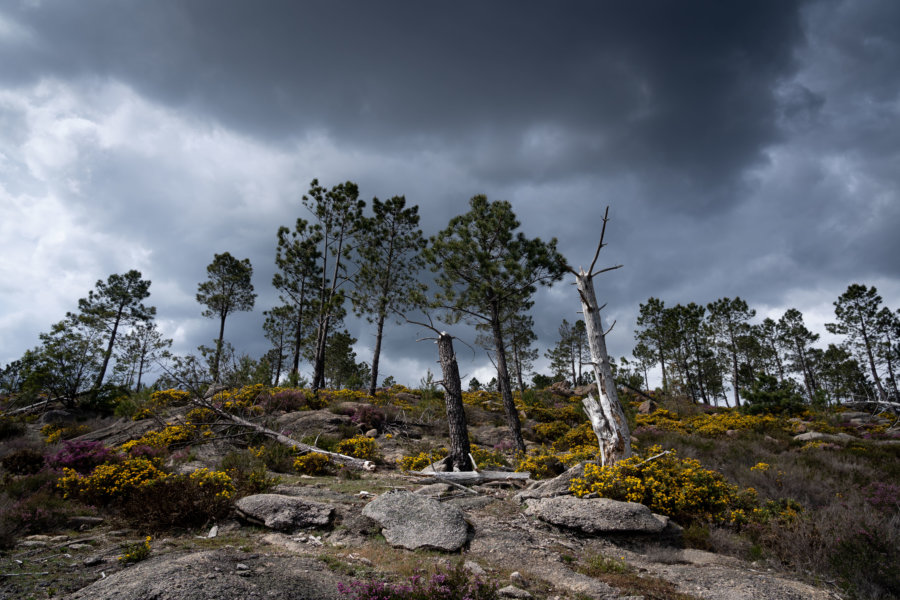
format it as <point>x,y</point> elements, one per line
<point>746,149</point>
<point>681,94</point>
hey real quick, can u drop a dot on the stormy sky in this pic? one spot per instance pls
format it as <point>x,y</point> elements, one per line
<point>745,149</point>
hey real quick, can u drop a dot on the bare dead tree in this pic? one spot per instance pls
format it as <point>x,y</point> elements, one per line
<point>459,458</point>
<point>605,412</point>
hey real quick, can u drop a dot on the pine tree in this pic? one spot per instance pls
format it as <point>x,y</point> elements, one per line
<point>857,314</point>
<point>486,270</point>
<point>389,249</point>
<point>115,303</point>
<point>227,289</point>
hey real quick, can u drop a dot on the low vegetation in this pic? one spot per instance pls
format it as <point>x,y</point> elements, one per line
<point>738,483</point>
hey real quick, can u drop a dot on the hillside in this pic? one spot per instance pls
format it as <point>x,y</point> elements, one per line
<point>162,500</point>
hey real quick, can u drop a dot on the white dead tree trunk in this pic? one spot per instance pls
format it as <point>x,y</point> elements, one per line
<point>605,413</point>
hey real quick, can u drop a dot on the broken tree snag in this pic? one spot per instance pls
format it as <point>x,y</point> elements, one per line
<point>458,460</point>
<point>605,412</point>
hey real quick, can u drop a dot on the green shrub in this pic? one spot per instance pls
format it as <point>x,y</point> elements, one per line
<point>248,472</point>
<point>10,427</point>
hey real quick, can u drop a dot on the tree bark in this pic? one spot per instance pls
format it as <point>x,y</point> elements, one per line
<point>219,349</point>
<point>108,353</point>
<point>376,355</point>
<point>458,460</point>
<point>512,413</point>
<point>605,412</point>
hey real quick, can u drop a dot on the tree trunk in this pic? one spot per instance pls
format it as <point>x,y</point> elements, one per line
<point>219,349</point>
<point>458,460</point>
<point>870,356</point>
<point>734,375</point>
<point>607,418</point>
<point>509,406</point>
<point>108,353</point>
<point>377,354</point>
<point>518,366</point>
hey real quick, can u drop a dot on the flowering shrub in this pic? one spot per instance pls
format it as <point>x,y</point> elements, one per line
<point>719,423</point>
<point>53,432</point>
<point>181,500</point>
<point>552,431</point>
<point>136,552</point>
<point>288,400</point>
<point>167,438</point>
<point>109,482</point>
<point>715,424</point>
<point>359,447</point>
<point>422,459</point>
<point>486,459</point>
<point>583,435</point>
<point>662,420</point>
<point>313,463</point>
<point>677,487</point>
<point>81,456</point>
<point>165,398</point>
<point>541,464</point>
<point>454,584</point>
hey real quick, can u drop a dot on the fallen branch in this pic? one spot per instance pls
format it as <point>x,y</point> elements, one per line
<point>356,463</point>
<point>472,477</point>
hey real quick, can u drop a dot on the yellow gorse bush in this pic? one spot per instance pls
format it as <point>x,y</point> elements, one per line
<point>313,463</point>
<point>164,398</point>
<point>136,552</point>
<point>707,424</point>
<point>677,487</point>
<point>110,481</point>
<point>359,447</point>
<point>170,436</point>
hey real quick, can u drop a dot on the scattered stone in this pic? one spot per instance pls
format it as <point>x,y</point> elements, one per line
<point>92,561</point>
<point>512,591</point>
<point>83,523</point>
<point>56,416</point>
<point>79,546</point>
<point>32,544</point>
<point>516,578</point>
<point>558,486</point>
<point>815,436</point>
<point>647,407</point>
<point>412,521</point>
<point>732,433</point>
<point>561,388</point>
<point>241,567</point>
<point>372,433</point>
<point>597,515</point>
<point>474,568</point>
<point>213,532</point>
<point>280,512</point>
<point>586,390</point>
<point>434,490</point>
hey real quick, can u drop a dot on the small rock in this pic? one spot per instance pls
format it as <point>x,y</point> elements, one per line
<point>32,544</point>
<point>91,561</point>
<point>79,546</point>
<point>83,523</point>
<point>512,591</point>
<point>516,578</point>
<point>213,532</point>
<point>241,567</point>
<point>372,433</point>
<point>474,568</point>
